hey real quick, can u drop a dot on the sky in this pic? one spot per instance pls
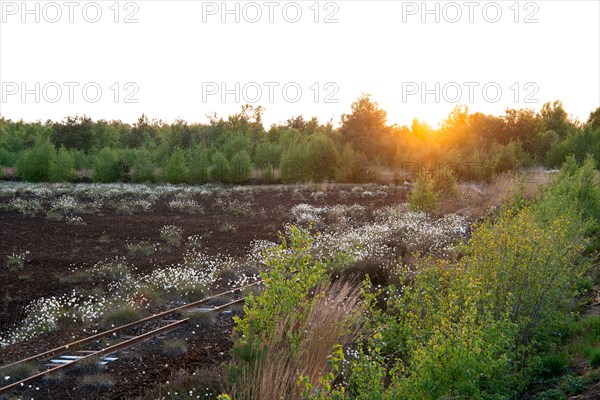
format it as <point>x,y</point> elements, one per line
<point>187,59</point>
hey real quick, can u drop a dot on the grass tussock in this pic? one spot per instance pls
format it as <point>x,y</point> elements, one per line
<point>87,365</point>
<point>55,377</point>
<point>200,319</point>
<point>140,249</point>
<point>96,382</point>
<point>121,315</point>
<point>19,371</point>
<point>174,347</point>
<point>204,383</point>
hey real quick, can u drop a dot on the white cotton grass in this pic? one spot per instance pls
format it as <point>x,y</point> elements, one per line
<point>195,273</point>
<point>393,226</point>
<point>67,198</point>
<point>43,315</point>
<point>346,229</point>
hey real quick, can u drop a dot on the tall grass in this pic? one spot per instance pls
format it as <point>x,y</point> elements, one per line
<point>274,372</point>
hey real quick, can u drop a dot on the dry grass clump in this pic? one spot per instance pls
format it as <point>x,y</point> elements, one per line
<point>96,382</point>
<point>174,347</point>
<point>476,199</point>
<point>55,377</point>
<point>332,320</point>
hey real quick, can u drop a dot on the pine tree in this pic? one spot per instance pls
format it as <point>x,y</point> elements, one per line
<point>198,168</point>
<point>176,167</point>
<point>240,167</point>
<point>62,166</point>
<point>220,167</point>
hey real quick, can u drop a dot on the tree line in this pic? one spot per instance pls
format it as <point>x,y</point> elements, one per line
<point>472,146</point>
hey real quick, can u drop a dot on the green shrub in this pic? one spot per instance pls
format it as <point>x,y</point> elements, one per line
<point>62,167</point>
<point>33,164</point>
<point>267,153</point>
<point>584,285</point>
<point>557,154</point>
<point>220,167</point>
<point>142,248</point>
<point>54,215</point>
<point>574,384</point>
<point>348,166</point>
<point>434,341</point>
<point>235,143</point>
<point>445,183</point>
<point>578,144</point>
<point>508,157</point>
<point>576,191</point>
<point>353,166</point>
<point>293,325</point>
<point>97,382</point>
<point>171,234</point>
<point>176,168</point>
<point>203,383</point>
<point>16,261</point>
<point>551,394</point>
<point>107,167</point>
<point>292,273</point>
<point>294,165</point>
<point>20,371</point>
<point>322,158</point>
<point>143,167</point>
<point>198,168</point>
<point>590,325</point>
<point>200,319</point>
<point>240,167</point>
<point>424,197</point>
<point>267,174</point>
<point>83,160</point>
<point>532,271</point>
<point>88,365</point>
<point>7,158</point>
<point>55,377</point>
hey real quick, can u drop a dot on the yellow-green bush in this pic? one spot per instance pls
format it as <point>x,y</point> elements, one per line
<point>424,196</point>
<point>526,270</point>
<point>291,274</point>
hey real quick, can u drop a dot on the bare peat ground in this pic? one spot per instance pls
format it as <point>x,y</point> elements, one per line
<point>56,246</point>
<point>143,367</point>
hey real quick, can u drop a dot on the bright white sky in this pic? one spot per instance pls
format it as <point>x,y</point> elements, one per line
<point>178,48</point>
